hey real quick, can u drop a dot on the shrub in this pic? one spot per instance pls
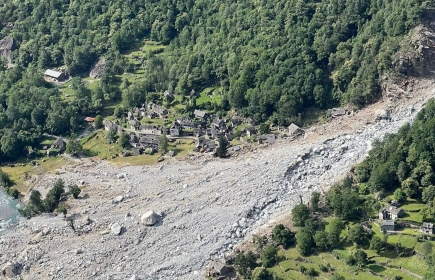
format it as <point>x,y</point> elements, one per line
<point>269,256</point>
<point>74,190</point>
<point>13,192</point>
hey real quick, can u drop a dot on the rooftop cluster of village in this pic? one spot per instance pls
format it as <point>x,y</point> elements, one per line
<point>204,128</point>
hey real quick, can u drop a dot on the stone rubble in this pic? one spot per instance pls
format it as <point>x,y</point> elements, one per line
<point>202,208</point>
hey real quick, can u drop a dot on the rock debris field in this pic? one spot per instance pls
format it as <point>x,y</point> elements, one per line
<point>168,221</point>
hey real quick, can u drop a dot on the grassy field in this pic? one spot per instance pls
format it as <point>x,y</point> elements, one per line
<point>290,262</point>
<point>210,94</point>
<point>19,174</point>
<point>95,145</point>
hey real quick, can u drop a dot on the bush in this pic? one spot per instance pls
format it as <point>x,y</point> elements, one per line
<point>74,190</point>
<point>13,192</point>
<point>269,256</point>
<point>282,236</point>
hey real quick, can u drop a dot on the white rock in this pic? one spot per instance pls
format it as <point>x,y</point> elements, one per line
<point>116,228</point>
<point>117,199</point>
<point>149,218</point>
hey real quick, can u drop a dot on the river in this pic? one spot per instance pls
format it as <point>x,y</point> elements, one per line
<point>8,210</point>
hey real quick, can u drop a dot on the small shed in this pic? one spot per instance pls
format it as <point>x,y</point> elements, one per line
<point>55,76</point>
<point>388,226</point>
<point>89,119</point>
<point>335,112</point>
<point>295,130</point>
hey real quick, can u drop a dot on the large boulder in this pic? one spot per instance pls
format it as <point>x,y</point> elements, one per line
<point>98,68</point>
<point>116,228</point>
<point>149,218</point>
<point>11,270</point>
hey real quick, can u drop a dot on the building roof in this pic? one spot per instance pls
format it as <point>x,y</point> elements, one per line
<point>336,112</point>
<point>199,113</point>
<point>160,110</point>
<point>109,124</point>
<point>428,225</point>
<point>270,138</point>
<point>148,126</point>
<point>388,223</point>
<point>293,128</point>
<point>89,119</point>
<point>392,209</point>
<point>217,122</point>
<point>59,141</point>
<point>52,73</point>
<point>251,129</point>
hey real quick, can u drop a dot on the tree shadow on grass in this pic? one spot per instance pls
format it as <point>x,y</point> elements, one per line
<point>375,268</point>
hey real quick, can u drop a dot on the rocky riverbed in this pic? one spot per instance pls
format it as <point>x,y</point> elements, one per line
<point>203,207</point>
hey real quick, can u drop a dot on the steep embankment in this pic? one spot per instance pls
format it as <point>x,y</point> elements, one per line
<point>207,206</point>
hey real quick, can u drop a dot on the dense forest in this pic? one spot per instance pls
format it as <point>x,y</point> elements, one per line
<point>272,59</point>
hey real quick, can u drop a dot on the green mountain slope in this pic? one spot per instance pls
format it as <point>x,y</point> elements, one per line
<point>272,59</point>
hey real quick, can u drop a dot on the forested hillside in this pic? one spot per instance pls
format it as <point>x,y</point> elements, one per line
<point>273,59</point>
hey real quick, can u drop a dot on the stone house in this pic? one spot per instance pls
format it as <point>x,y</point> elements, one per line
<point>388,226</point>
<point>176,130</point>
<point>218,123</point>
<point>219,270</point>
<point>130,115</point>
<point>108,125</point>
<point>427,228</point>
<point>55,76</point>
<point>200,114</point>
<point>295,130</point>
<point>144,141</point>
<point>390,212</point>
<point>151,129</point>
<point>250,130</point>
<point>235,121</point>
<point>162,112</point>
<point>266,138</point>
<point>250,121</point>
<point>59,144</point>
<point>186,123</point>
<point>335,112</point>
<point>134,124</point>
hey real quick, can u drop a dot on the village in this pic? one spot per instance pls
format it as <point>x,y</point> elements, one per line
<point>146,124</point>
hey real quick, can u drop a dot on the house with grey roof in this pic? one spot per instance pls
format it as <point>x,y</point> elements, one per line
<point>55,76</point>
<point>336,112</point>
<point>134,124</point>
<point>250,130</point>
<point>59,144</point>
<point>427,228</point>
<point>235,121</point>
<point>266,138</point>
<point>162,112</point>
<point>108,125</point>
<point>200,114</point>
<point>295,130</point>
<point>218,123</point>
<point>388,226</point>
<point>151,129</point>
<point>390,212</point>
<point>176,130</point>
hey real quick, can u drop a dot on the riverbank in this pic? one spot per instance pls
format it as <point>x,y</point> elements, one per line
<point>206,206</point>
<point>8,211</point>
